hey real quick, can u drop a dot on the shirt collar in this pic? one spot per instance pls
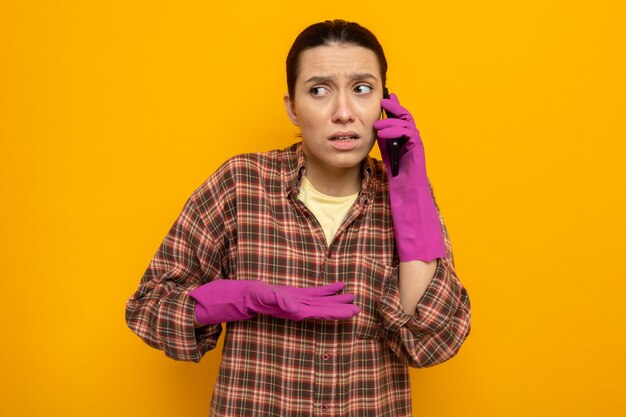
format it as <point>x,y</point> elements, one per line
<point>294,168</point>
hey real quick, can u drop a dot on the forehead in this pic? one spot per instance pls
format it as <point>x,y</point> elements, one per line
<point>337,60</point>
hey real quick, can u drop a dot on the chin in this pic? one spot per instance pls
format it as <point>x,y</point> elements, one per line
<point>349,161</point>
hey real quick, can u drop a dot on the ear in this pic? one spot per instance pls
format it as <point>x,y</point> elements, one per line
<point>291,109</point>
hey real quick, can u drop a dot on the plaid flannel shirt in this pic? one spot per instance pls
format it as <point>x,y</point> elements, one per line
<point>245,222</point>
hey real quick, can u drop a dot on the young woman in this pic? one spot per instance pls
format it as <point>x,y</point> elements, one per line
<point>333,272</point>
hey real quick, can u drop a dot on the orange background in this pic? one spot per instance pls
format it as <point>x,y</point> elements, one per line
<point>113,112</point>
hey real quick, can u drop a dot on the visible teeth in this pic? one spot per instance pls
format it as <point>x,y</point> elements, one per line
<point>343,137</point>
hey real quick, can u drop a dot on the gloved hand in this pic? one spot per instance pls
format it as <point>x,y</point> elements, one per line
<point>227,300</point>
<point>415,220</point>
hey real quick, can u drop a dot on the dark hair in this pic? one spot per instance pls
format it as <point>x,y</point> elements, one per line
<point>327,33</point>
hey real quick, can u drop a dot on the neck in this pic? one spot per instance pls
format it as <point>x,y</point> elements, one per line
<point>335,182</point>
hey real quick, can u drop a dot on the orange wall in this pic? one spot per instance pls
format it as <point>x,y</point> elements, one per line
<point>112,112</point>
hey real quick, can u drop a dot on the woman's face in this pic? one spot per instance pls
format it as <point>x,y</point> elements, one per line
<point>337,100</point>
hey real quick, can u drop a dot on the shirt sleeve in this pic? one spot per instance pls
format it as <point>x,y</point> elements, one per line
<point>161,311</point>
<point>441,322</point>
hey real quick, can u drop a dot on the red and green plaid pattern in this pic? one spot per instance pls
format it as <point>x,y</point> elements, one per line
<point>245,222</point>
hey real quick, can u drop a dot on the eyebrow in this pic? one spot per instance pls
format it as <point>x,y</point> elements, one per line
<point>325,78</point>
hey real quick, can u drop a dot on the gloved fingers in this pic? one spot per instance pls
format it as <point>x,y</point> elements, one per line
<point>328,311</point>
<point>396,132</point>
<point>392,105</point>
<point>389,123</point>
<point>329,299</point>
<point>320,291</point>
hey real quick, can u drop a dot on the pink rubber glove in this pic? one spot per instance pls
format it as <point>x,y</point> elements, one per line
<point>415,220</point>
<point>227,300</point>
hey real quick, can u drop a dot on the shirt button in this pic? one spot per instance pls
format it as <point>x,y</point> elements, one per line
<point>325,356</point>
<point>324,407</point>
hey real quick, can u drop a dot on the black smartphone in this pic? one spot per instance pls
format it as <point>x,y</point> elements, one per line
<point>393,145</point>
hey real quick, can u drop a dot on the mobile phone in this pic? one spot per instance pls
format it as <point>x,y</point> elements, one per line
<point>393,145</point>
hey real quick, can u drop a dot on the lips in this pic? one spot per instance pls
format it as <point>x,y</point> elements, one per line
<point>341,136</point>
<point>344,141</point>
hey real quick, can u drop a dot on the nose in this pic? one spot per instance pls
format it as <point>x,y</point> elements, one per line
<point>343,111</point>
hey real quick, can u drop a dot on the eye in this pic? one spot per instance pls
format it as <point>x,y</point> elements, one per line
<point>363,89</point>
<point>319,91</point>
